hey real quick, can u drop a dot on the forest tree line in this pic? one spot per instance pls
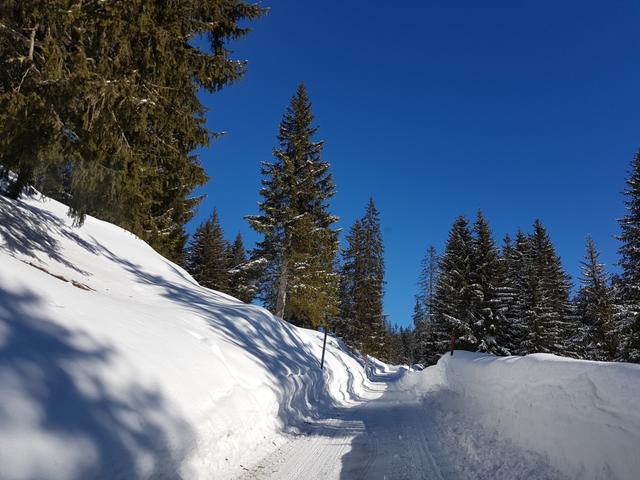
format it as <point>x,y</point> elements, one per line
<point>514,298</point>
<point>99,109</point>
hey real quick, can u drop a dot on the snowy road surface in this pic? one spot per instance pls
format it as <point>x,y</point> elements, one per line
<point>397,436</point>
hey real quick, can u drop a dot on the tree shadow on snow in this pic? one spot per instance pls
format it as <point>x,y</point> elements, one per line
<point>52,390</point>
<point>269,342</point>
<point>29,230</point>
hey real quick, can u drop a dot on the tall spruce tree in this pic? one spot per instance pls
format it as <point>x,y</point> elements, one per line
<point>512,292</point>
<point>207,257</point>
<point>362,284</point>
<point>546,304</point>
<point>428,279</point>
<point>489,278</point>
<point>242,274</point>
<point>428,339</point>
<point>99,105</point>
<point>350,329</point>
<point>299,242</point>
<point>457,290</point>
<point>629,309</point>
<point>596,307</point>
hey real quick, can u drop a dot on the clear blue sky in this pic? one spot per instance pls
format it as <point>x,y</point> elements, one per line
<point>525,109</point>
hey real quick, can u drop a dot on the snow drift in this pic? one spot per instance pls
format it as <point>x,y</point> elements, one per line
<point>115,363</point>
<point>581,416</point>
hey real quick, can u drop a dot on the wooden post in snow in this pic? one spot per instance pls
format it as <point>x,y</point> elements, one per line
<point>324,347</point>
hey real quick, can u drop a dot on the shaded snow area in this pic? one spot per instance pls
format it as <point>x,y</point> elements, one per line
<point>116,364</point>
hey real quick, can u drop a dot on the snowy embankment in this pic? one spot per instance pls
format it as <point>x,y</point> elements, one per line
<point>581,416</point>
<point>115,363</point>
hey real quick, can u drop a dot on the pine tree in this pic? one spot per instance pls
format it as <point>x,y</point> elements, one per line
<point>457,291</point>
<point>428,279</point>
<point>546,303</point>
<point>629,309</point>
<point>207,256</point>
<point>427,336</point>
<point>421,328</point>
<point>489,279</point>
<point>351,330</point>
<point>512,293</point>
<point>99,104</point>
<point>362,284</point>
<point>299,242</point>
<point>596,307</point>
<point>242,274</point>
<point>34,85</point>
<point>370,291</point>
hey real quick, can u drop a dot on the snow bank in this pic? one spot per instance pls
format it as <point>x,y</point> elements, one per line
<point>582,416</point>
<point>115,363</point>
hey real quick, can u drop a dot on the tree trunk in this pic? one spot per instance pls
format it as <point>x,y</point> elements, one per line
<point>281,301</point>
<point>24,177</point>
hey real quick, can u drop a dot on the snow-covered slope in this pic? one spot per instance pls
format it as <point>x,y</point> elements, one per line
<point>115,363</point>
<point>581,416</point>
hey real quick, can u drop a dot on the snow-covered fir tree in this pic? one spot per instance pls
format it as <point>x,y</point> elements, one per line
<point>595,305</point>
<point>242,273</point>
<point>546,305</point>
<point>207,257</point>
<point>299,241</point>
<point>489,278</point>
<point>629,285</point>
<point>512,292</point>
<point>362,284</point>
<point>348,328</point>
<point>428,338</point>
<point>457,291</point>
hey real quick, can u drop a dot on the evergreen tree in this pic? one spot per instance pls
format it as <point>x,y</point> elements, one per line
<point>596,307</point>
<point>352,331</point>
<point>512,292</point>
<point>370,287</point>
<point>242,273</point>
<point>400,345</point>
<point>33,78</point>
<point>362,284</point>
<point>489,279</point>
<point>99,105</point>
<point>421,327</point>
<point>457,292</point>
<point>428,279</point>
<point>393,342</point>
<point>546,303</point>
<point>207,257</point>
<point>408,346</point>
<point>299,242</point>
<point>427,335</point>
<point>629,310</point>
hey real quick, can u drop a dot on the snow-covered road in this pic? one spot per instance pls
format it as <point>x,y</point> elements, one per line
<point>397,436</point>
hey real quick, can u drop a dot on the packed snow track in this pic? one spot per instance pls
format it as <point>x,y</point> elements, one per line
<point>398,436</point>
